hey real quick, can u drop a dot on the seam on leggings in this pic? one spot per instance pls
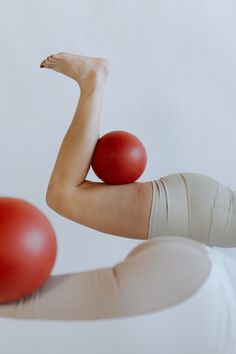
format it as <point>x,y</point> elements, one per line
<point>152,222</point>
<point>217,191</point>
<point>189,204</point>
<point>115,276</point>
<point>150,216</point>
<point>164,183</point>
<point>212,216</point>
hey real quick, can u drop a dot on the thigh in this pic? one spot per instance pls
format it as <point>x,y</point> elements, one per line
<point>183,205</point>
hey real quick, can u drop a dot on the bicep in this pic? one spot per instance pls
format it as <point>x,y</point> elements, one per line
<point>121,210</point>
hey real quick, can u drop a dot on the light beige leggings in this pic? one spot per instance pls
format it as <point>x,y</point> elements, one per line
<point>152,277</point>
<point>155,275</point>
<point>195,206</point>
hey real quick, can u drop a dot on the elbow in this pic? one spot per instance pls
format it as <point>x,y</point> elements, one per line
<point>53,198</point>
<point>58,198</point>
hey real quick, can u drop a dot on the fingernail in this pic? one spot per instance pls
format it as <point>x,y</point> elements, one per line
<point>42,66</point>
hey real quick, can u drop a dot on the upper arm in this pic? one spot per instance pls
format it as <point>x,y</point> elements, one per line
<point>122,210</point>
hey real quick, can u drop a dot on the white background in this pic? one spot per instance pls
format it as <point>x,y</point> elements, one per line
<point>172,84</point>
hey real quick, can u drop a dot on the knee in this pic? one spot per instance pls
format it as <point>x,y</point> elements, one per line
<point>161,273</point>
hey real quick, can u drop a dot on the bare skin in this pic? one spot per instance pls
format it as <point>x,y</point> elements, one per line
<point>121,210</point>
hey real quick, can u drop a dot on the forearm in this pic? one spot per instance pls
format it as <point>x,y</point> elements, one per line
<point>76,151</point>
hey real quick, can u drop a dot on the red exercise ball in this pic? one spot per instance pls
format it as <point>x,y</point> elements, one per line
<point>119,158</point>
<point>27,249</point>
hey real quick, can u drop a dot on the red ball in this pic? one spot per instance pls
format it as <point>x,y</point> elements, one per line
<point>119,158</point>
<point>27,249</point>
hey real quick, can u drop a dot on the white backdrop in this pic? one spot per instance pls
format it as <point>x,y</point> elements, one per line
<point>172,83</point>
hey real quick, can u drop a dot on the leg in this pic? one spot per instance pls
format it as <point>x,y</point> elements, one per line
<point>152,277</point>
<point>76,151</point>
<point>94,204</point>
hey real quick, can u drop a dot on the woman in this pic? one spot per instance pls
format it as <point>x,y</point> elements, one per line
<point>193,283</point>
<point>186,204</point>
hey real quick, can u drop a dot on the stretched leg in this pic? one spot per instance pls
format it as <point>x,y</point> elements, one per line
<point>151,278</point>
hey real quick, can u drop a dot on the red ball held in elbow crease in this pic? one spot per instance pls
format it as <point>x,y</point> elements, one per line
<point>119,158</point>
